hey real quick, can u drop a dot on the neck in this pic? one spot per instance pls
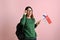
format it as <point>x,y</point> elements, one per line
<point>29,17</point>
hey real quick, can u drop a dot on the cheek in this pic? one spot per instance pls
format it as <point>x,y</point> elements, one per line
<point>31,13</point>
<point>28,12</point>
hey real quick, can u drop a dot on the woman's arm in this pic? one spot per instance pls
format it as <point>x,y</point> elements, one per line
<point>23,19</point>
<point>37,23</point>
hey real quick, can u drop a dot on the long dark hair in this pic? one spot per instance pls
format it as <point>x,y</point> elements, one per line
<point>32,10</point>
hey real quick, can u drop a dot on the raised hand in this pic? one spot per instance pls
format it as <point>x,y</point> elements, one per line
<point>38,22</point>
<point>25,12</point>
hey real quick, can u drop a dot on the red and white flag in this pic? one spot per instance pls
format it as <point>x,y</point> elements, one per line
<point>47,18</point>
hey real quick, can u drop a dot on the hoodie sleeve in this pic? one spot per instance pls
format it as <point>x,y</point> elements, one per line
<point>35,25</point>
<point>23,19</point>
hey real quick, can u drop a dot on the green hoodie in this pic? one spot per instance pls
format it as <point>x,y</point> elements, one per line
<point>29,27</point>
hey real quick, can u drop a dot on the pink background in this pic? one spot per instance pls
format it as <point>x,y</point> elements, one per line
<point>12,10</point>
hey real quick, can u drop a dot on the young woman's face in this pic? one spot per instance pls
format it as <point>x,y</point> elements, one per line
<point>29,12</point>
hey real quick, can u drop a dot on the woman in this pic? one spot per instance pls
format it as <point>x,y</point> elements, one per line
<point>28,22</point>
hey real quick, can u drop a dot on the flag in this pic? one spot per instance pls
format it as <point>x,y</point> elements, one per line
<point>48,19</point>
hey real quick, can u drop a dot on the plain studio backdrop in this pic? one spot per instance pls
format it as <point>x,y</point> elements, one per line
<point>11,12</point>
